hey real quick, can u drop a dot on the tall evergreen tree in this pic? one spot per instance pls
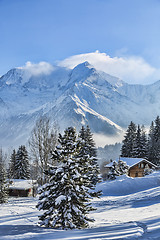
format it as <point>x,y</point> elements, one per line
<point>89,154</point>
<point>127,149</point>
<point>153,149</point>
<point>157,140</point>
<point>3,187</point>
<point>90,143</point>
<point>22,170</point>
<point>151,143</point>
<point>140,142</point>
<point>12,164</point>
<point>137,143</point>
<point>65,199</point>
<point>143,142</point>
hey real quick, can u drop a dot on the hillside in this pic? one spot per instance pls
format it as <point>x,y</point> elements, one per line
<point>128,209</point>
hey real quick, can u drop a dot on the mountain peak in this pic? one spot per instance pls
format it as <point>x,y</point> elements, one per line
<point>13,76</point>
<point>85,64</point>
<point>81,72</point>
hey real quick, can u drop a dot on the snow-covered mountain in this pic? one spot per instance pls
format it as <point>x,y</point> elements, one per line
<point>74,97</point>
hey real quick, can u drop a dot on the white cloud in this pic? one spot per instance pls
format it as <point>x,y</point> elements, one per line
<point>130,69</point>
<point>101,140</point>
<point>38,68</point>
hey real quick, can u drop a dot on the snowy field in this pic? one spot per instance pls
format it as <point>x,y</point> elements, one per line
<point>128,209</point>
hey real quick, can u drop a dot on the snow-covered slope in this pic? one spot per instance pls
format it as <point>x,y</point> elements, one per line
<point>128,209</point>
<point>72,97</point>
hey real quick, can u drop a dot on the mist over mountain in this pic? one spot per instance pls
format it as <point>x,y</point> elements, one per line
<point>72,97</point>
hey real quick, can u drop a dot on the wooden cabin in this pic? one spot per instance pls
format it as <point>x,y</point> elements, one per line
<point>137,166</point>
<point>22,188</point>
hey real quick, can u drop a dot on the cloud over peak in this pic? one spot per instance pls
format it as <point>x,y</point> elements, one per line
<point>36,69</point>
<point>130,69</point>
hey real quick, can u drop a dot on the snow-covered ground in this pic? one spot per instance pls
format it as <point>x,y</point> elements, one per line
<point>128,209</point>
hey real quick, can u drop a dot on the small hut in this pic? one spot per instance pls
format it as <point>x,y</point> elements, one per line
<point>22,188</point>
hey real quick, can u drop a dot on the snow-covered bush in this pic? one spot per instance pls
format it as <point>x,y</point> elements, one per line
<point>147,170</point>
<point>117,169</point>
<point>113,172</point>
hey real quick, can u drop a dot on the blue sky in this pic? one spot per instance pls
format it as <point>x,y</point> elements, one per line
<point>50,30</point>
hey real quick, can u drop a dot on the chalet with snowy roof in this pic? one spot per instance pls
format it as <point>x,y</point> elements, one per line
<point>22,188</point>
<point>137,166</point>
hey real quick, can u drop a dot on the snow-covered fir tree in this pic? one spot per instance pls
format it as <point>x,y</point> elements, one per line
<point>140,143</point>
<point>3,184</point>
<point>156,159</point>
<point>90,142</point>
<point>144,142</point>
<point>87,158</point>
<point>22,169</point>
<point>65,199</point>
<point>129,140</point>
<point>12,165</point>
<point>89,154</point>
<point>151,143</point>
<point>153,147</point>
<point>137,143</point>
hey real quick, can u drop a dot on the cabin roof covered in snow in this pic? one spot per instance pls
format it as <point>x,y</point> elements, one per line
<point>131,161</point>
<point>21,184</point>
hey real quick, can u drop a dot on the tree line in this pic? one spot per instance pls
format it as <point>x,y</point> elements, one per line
<point>138,144</point>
